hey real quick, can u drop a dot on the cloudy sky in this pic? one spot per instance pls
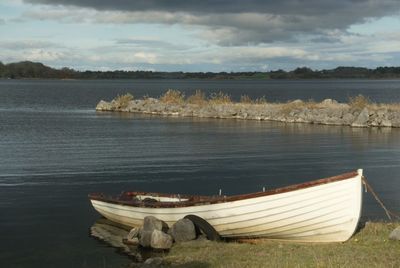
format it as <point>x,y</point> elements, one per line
<point>201,35</point>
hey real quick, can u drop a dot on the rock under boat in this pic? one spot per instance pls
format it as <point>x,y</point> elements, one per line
<point>325,210</point>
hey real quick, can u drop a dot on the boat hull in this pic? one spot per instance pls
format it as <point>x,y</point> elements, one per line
<point>327,212</point>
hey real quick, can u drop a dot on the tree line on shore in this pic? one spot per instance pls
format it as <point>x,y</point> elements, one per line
<point>28,69</point>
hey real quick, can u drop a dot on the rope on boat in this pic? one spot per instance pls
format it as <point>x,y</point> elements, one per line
<point>389,213</point>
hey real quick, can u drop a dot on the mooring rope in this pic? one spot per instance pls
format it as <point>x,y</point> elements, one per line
<point>387,211</point>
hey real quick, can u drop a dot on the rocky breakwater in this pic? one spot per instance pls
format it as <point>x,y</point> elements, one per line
<point>359,112</point>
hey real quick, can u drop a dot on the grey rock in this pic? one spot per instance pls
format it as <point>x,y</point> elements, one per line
<point>151,223</point>
<point>347,118</point>
<point>375,122</point>
<point>145,238</point>
<point>152,100</point>
<point>334,112</point>
<point>103,106</point>
<point>382,112</point>
<point>187,111</point>
<point>226,111</point>
<point>386,123</point>
<point>395,234</point>
<point>114,105</point>
<point>392,115</point>
<point>132,241</point>
<point>362,119</point>
<point>396,122</point>
<point>153,262</point>
<point>134,232</point>
<point>297,102</point>
<point>132,106</point>
<point>183,230</point>
<point>329,102</point>
<point>160,240</point>
<point>152,234</point>
<point>206,112</point>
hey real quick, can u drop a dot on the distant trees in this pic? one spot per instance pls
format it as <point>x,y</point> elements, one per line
<point>303,72</point>
<point>28,69</point>
<point>387,72</point>
<point>339,72</point>
<point>2,69</point>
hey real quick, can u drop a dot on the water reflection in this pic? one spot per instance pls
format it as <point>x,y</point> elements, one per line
<point>373,135</point>
<point>113,234</point>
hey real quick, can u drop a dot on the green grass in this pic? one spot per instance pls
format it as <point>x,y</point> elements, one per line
<point>369,247</point>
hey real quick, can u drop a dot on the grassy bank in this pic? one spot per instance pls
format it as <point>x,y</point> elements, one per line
<point>369,247</point>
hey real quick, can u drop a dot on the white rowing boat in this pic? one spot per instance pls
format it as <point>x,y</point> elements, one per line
<point>325,210</point>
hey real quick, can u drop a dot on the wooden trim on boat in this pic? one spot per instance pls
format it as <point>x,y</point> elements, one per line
<point>128,198</point>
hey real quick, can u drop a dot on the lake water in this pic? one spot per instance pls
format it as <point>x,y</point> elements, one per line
<point>55,149</point>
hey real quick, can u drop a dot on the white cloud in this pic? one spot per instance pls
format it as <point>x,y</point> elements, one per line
<point>226,40</point>
<point>126,58</point>
<point>26,44</point>
<point>145,57</point>
<point>42,55</point>
<point>261,54</point>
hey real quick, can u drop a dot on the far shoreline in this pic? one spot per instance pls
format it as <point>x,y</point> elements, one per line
<point>198,79</point>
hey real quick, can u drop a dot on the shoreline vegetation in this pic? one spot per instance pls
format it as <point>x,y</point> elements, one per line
<point>368,247</point>
<point>359,111</point>
<point>37,70</point>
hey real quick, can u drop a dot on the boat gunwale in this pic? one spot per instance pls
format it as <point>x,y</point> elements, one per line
<point>197,200</point>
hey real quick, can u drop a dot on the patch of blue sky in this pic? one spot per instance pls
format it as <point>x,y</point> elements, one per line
<point>87,35</point>
<point>373,26</point>
<point>9,11</point>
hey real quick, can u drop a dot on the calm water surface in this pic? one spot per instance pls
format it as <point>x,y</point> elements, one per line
<point>55,149</point>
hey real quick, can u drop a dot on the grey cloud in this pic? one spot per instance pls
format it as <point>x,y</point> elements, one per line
<point>368,8</point>
<point>325,39</point>
<point>148,43</point>
<point>26,44</point>
<point>234,22</point>
<point>224,29</point>
<point>332,37</point>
